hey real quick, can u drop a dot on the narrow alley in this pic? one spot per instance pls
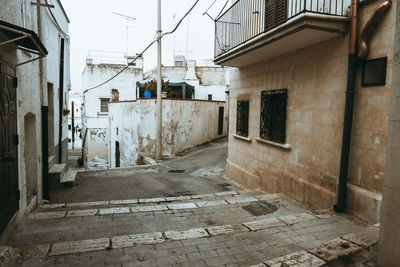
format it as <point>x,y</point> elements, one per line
<point>260,133</point>
<point>181,212</point>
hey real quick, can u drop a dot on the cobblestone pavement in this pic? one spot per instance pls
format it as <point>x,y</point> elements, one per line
<point>209,225</point>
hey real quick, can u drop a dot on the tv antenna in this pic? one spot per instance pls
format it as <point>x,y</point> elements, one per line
<point>128,20</point>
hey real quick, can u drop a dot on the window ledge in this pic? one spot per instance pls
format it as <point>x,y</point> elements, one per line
<point>284,146</point>
<point>247,139</point>
<point>102,113</point>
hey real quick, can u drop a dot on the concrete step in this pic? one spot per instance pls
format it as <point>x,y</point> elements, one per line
<point>56,174</point>
<point>69,178</point>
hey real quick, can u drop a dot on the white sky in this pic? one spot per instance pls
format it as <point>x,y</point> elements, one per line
<point>94,26</point>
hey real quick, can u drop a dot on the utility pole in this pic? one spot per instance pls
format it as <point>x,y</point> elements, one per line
<point>159,85</point>
<point>73,125</point>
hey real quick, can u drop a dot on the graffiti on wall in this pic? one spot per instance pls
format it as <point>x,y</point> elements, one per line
<point>98,134</point>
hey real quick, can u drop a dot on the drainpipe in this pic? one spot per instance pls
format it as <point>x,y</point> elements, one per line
<point>354,61</point>
<point>44,115</point>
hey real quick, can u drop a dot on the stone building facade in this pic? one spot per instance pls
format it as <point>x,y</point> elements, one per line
<point>306,57</point>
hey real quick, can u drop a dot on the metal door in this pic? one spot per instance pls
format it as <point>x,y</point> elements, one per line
<point>9,194</point>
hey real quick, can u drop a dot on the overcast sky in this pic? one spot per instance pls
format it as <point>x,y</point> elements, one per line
<point>94,26</point>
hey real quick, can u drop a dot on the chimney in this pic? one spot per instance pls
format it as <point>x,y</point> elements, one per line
<point>114,95</point>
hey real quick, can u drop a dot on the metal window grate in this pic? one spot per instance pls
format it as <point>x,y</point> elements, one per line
<point>273,115</point>
<point>242,118</point>
<point>104,104</point>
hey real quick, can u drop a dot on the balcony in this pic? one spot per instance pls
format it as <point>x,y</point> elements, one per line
<point>254,30</point>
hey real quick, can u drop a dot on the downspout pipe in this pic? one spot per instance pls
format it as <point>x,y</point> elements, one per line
<point>354,61</point>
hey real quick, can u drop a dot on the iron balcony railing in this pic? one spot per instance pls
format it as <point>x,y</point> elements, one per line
<point>246,19</point>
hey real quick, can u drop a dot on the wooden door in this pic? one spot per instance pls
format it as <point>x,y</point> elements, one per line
<point>9,194</point>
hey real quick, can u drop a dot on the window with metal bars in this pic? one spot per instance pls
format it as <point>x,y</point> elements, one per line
<point>276,13</point>
<point>104,104</point>
<point>242,118</point>
<point>273,115</point>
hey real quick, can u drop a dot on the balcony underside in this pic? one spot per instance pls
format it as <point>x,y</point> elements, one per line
<point>299,32</point>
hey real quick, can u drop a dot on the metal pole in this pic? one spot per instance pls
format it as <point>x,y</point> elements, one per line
<point>73,125</point>
<point>159,86</point>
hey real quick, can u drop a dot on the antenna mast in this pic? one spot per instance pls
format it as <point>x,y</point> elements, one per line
<point>128,19</point>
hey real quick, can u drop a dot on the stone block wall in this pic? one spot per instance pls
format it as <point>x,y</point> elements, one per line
<point>316,81</point>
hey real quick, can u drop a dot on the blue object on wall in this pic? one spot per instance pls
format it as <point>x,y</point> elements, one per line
<point>147,94</point>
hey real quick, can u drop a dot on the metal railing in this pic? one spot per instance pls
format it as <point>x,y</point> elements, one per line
<point>246,19</point>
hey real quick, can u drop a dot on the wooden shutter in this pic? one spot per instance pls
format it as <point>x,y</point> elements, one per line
<point>275,13</point>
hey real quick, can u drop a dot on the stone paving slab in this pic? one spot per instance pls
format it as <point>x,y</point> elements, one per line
<point>131,240</point>
<point>297,259</point>
<point>82,213</point>
<point>226,229</point>
<point>267,197</point>
<point>226,193</point>
<point>152,200</point>
<point>336,248</point>
<point>238,200</point>
<point>365,238</point>
<point>79,246</point>
<point>296,218</point>
<point>46,215</point>
<point>87,204</point>
<point>189,234</point>
<point>114,211</point>
<point>264,224</point>
<point>124,202</point>
<point>149,208</point>
<point>181,206</point>
<point>203,196</point>
<point>178,198</point>
<point>34,252</point>
<point>211,203</point>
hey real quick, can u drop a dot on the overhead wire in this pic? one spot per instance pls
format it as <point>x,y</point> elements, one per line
<point>141,54</point>
<point>55,20</point>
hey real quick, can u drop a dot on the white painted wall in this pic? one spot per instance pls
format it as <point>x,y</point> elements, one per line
<point>29,101</point>
<point>96,72</point>
<point>77,98</point>
<point>186,124</point>
<point>206,77</point>
<point>52,35</point>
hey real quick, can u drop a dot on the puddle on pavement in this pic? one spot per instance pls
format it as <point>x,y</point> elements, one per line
<point>260,208</point>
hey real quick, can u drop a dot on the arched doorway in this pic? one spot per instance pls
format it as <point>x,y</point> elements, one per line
<point>30,157</point>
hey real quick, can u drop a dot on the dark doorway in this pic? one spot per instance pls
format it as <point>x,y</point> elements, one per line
<point>9,194</point>
<point>50,95</point>
<point>221,121</point>
<point>117,155</point>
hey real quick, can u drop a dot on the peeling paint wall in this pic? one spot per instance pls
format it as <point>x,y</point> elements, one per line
<point>186,124</point>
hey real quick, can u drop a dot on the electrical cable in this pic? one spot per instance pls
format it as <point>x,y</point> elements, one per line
<point>141,54</point>
<point>222,9</point>
<point>55,20</point>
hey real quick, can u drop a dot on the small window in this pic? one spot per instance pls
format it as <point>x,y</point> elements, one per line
<point>104,104</point>
<point>242,118</point>
<point>273,115</point>
<point>179,63</point>
<point>209,97</point>
<point>374,72</point>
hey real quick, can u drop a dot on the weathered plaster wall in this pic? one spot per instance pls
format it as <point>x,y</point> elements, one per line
<point>21,13</point>
<point>186,124</point>
<point>316,81</point>
<point>52,41</point>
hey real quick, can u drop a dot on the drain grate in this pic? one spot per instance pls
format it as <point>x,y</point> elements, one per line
<point>176,171</point>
